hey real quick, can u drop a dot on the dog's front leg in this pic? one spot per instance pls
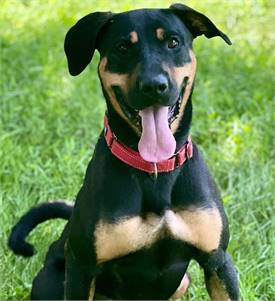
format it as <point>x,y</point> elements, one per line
<point>79,277</point>
<point>221,277</point>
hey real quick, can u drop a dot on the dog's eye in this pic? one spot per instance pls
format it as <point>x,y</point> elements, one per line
<point>173,42</point>
<point>122,47</point>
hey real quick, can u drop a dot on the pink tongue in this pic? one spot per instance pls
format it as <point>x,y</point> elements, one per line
<point>157,142</point>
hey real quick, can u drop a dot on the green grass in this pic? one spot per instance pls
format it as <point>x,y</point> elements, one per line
<point>50,122</point>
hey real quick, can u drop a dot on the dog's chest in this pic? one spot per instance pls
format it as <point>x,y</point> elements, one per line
<point>198,227</point>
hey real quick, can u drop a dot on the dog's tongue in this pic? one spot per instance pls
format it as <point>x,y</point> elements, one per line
<point>157,142</point>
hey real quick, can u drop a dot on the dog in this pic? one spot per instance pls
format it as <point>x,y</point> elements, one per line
<point>148,204</point>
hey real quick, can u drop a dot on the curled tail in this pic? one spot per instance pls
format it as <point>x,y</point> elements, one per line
<point>30,220</point>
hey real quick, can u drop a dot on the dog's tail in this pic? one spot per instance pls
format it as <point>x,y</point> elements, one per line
<point>30,220</point>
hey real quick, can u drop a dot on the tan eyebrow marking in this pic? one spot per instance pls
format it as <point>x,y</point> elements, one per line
<point>160,33</point>
<point>133,37</point>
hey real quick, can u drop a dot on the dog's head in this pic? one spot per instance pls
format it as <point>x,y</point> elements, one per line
<point>147,67</point>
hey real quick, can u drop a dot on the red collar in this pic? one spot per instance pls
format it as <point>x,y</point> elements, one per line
<point>133,158</point>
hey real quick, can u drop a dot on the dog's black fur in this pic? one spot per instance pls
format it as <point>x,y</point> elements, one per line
<point>116,195</point>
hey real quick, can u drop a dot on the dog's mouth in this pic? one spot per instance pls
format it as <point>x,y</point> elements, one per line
<point>129,112</point>
<point>133,114</point>
<point>153,123</point>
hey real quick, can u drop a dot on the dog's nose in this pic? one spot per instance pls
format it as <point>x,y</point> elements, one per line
<point>157,85</point>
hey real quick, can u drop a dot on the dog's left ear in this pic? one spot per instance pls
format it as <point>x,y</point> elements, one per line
<point>198,23</point>
<point>80,41</point>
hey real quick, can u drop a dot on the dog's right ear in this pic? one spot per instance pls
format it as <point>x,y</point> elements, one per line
<point>80,41</point>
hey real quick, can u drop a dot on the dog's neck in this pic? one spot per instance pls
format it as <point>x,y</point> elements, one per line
<point>126,135</point>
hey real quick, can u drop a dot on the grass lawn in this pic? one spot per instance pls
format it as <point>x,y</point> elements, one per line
<point>50,122</point>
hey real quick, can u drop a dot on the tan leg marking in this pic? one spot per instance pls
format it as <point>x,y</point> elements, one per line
<point>133,37</point>
<point>178,74</point>
<point>128,235</point>
<point>216,289</point>
<point>160,33</point>
<point>92,291</point>
<point>124,81</point>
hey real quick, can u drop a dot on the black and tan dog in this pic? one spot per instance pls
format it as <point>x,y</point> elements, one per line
<point>148,204</point>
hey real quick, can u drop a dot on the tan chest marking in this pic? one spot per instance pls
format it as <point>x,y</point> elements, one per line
<point>125,236</point>
<point>200,228</point>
